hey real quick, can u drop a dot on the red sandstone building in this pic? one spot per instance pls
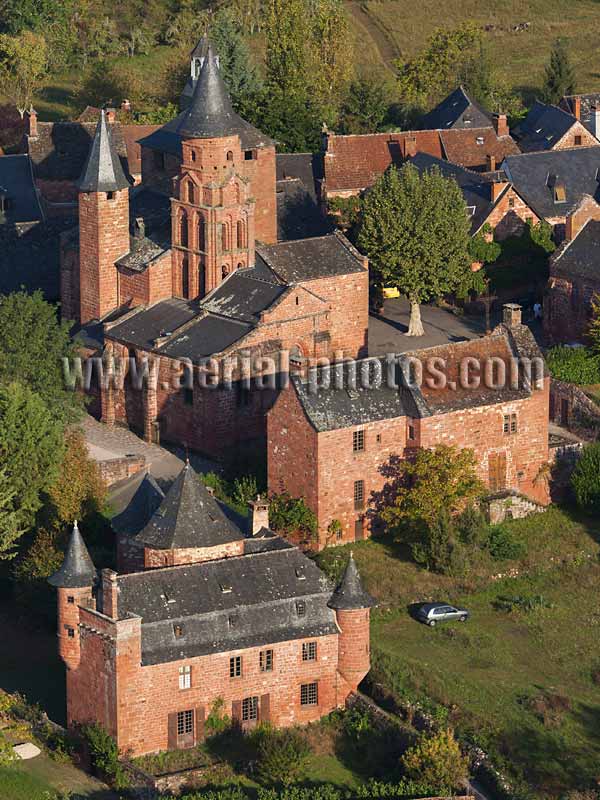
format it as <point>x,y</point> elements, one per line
<point>331,444</point>
<point>188,266</point>
<point>217,616</point>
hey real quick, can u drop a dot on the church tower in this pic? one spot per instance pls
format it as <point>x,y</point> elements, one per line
<point>213,229</point>
<point>103,225</point>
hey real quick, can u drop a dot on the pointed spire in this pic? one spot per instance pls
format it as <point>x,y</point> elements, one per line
<point>189,517</point>
<point>77,570</point>
<point>210,113</point>
<point>350,594</point>
<point>103,171</point>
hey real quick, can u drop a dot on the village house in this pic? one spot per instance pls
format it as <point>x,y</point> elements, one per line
<point>219,618</point>
<point>586,109</point>
<point>548,127</point>
<point>574,276</point>
<point>188,267</point>
<point>553,183</point>
<point>332,441</point>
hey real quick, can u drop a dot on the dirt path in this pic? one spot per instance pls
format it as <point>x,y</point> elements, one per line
<point>382,41</point>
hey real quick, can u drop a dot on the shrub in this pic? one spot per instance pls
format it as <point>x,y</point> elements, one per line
<point>282,754</point>
<point>289,515</point>
<point>503,545</point>
<point>573,364</point>
<point>472,526</point>
<point>585,479</point>
<point>244,490</point>
<point>7,754</point>
<point>104,754</point>
<point>437,761</point>
<point>217,720</point>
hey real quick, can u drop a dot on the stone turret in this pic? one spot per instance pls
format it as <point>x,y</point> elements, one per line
<point>352,605</point>
<point>74,582</point>
<point>103,225</point>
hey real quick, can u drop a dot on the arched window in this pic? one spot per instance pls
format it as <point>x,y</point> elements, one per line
<point>240,265</point>
<point>183,229</point>
<point>224,237</point>
<point>201,235</point>
<point>224,271</point>
<point>190,192</point>
<point>185,277</point>
<point>240,234</point>
<point>229,155</point>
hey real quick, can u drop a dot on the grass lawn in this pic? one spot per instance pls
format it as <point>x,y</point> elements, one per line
<point>39,778</point>
<point>518,682</point>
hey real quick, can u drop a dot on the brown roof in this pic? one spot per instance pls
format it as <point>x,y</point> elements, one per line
<point>355,162</point>
<point>59,151</point>
<point>471,147</point>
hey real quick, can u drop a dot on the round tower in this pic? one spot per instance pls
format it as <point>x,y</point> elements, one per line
<point>74,582</point>
<point>352,607</point>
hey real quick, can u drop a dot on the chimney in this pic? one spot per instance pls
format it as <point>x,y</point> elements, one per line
<point>496,189</point>
<point>501,125</point>
<point>31,126</point>
<point>410,146</point>
<point>126,105</point>
<point>577,107</point>
<point>260,514</point>
<point>139,230</point>
<point>490,162</point>
<point>111,115</point>
<point>511,314</point>
<point>595,120</point>
<point>109,594</point>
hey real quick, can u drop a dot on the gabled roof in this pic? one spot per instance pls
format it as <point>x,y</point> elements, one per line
<point>456,111</point>
<point>470,148</point>
<point>77,570</point>
<point>580,257</point>
<point>17,184</point>
<point>309,259</point>
<point>588,104</point>
<point>349,594</point>
<point>543,127</point>
<point>475,188</point>
<point>102,171</point>
<point>534,176</point>
<point>189,517</point>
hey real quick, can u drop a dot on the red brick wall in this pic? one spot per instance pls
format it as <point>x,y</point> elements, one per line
<point>568,140</point>
<point>191,555</point>
<point>354,660</point>
<point>262,173</point>
<point>510,216</point>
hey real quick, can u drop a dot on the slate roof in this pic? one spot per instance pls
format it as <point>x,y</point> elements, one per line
<point>543,127</point>
<point>580,257</point>
<point>134,500</point>
<point>310,259</point>
<point>534,176</point>
<point>227,604</point>
<point>210,114</point>
<point>475,188</point>
<point>243,297</point>
<point>350,594</point>
<point>332,403</point>
<point>353,163</point>
<point>199,51</point>
<point>208,336</point>
<point>77,569</point>
<point>189,517</point>
<point>456,111</point>
<point>588,103</point>
<point>470,147</point>
<point>16,182</point>
<point>102,171</point>
<point>298,187</point>
<point>142,327</point>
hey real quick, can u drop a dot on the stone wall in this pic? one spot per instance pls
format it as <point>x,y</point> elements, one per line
<point>572,409</point>
<point>117,469</point>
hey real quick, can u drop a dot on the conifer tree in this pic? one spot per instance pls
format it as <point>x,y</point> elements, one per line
<point>560,77</point>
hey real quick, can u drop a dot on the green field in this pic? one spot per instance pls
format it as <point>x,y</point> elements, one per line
<point>521,684</point>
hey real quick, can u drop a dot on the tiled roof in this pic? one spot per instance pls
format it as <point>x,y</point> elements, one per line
<point>543,127</point>
<point>471,147</point>
<point>353,163</point>
<point>456,111</point>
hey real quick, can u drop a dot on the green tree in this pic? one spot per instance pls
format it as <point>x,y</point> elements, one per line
<point>585,479</point>
<point>560,76</point>
<point>11,529</point>
<point>435,481</point>
<point>436,760</point>
<point>486,86</point>
<point>416,232</point>
<point>238,70</point>
<point>366,105</point>
<point>23,67</point>
<point>289,515</point>
<point>17,16</point>
<point>32,345</point>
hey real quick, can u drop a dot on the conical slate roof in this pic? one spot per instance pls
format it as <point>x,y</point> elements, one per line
<point>210,114</point>
<point>77,570</point>
<point>103,171</point>
<point>189,517</point>
<point>350,593</point>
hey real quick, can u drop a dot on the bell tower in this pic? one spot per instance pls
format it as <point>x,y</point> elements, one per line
<point>212,213</point>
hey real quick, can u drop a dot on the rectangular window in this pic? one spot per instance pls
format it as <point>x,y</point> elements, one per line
<point>249,155</point>
<point>249,708</point>
<point>359,494</point>
<point>71,633</point>
<point>309,694</point>
<point>159,160</point>
<point>578,140</point>
<point>301,608</point>
<point>309,651</point>
<point>185,677</point>
<point>411,431</point>
<point>511,202</point>
<point>70,599</point>
<point>378,438</point>
<point>358,441</point>
<point>185,722</point>
<point>235,667</point>
<point>266,661</point>
<point>509,424</point>
<point>188,397</point>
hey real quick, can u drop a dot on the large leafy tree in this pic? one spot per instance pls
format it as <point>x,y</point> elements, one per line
<point>32,345</point>
<point>416,233</point>
<point>560,76</point>
<point>23,67</point>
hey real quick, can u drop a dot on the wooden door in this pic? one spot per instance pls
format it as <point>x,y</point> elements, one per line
<point>497,471</point>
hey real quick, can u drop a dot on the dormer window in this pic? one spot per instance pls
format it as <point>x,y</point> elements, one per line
<point>560,193</point>
<point>301,608</point>
<point>233,620</point>
<point>300,574</point>
<point>471,211</point>
<point>178,631</point>
<point>480,140</point>
<point>225,588</point>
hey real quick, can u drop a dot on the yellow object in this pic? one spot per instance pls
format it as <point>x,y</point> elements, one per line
<point>390,291</point>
